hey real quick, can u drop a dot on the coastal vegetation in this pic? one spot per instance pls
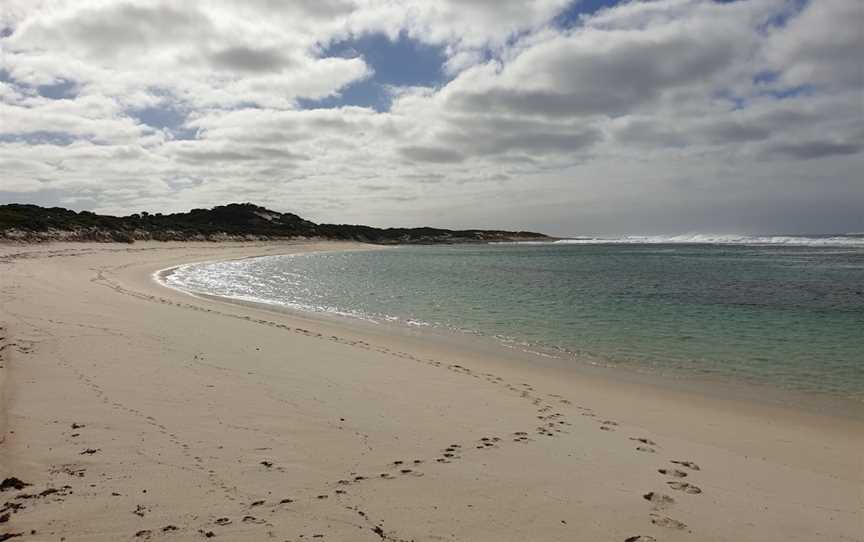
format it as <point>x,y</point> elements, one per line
<point>235,221</point>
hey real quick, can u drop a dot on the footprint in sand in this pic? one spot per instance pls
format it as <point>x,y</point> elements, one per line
<point>675,473</point>
<point>669,523</point>
<point>659,500</point>
<point>646,449</point>
<point>685,487</point>
<point>488,442</point>
<point>640,538</point>
<point>543,431</point>
<point>450,452</point>
<point>647,441</point>
<point>689,464</point>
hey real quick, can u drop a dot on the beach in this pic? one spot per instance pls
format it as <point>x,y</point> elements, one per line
<point>138,412</point>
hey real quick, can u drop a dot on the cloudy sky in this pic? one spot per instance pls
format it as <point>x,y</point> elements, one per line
<point>569,117</point>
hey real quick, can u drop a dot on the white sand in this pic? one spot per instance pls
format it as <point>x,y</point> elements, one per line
<point>183,399</point>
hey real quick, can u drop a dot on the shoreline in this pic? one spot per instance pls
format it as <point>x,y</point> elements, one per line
<point>205,416</point>
<point>714,386</point>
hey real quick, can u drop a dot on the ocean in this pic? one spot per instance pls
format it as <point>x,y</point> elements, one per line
<point>786,312</point>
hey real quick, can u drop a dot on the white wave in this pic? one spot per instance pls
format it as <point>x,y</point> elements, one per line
<point>712,239</point>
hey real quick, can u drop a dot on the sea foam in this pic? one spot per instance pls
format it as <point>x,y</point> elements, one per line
<point>713,239</point>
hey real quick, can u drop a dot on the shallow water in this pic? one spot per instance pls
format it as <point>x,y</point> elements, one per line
<point>791,316</point>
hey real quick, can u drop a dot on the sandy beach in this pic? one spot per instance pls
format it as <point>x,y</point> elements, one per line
<point>132,411</point>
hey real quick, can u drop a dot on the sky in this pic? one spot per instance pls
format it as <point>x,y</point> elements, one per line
<point>567,117</point>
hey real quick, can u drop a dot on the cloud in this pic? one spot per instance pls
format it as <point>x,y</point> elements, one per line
<point>614,63</point>
<point>464,24</point>
<point>222,56</point>
<point>92,118</point>
<point>431,154</point>
<point>643,117</point>
<point>820,46</point>
<point>816,149</point>
<point>241,58</point>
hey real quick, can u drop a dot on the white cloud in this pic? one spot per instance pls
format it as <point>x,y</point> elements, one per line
<point>822,46</point>
<point>647,116</point>
<point>207,54</point>
<point>468,23</point>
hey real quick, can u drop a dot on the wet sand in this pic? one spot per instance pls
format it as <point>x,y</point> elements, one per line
<point>136,412</point>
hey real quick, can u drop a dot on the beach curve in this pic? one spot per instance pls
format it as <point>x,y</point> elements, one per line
<point>185,416</point>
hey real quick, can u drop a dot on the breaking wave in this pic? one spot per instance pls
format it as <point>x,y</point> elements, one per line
<point>853,240</point>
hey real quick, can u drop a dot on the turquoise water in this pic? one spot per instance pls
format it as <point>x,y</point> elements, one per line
<point>788,316</point>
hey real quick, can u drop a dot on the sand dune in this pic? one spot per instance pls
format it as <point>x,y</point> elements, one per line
<point>136,412</point>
